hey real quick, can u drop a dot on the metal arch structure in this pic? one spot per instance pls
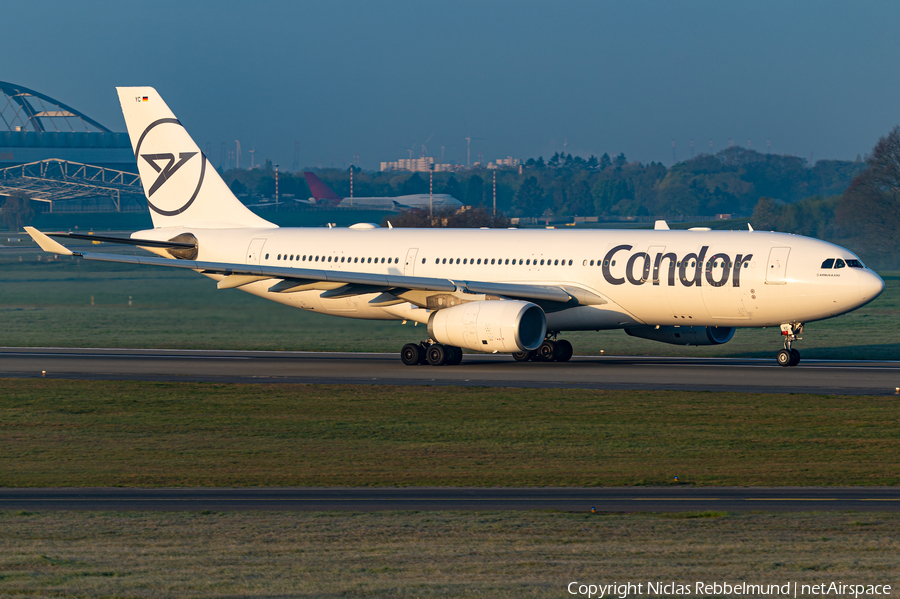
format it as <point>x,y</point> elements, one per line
<point>18,111</point>
<point>55,180</point>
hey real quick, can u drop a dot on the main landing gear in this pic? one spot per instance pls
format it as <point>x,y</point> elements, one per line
<point>438,354</point>
<point>435,354</point>
<point>551,350</point>
<point>789,356</point>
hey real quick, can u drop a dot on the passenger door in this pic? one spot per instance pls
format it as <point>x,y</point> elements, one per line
<point>776,270</point>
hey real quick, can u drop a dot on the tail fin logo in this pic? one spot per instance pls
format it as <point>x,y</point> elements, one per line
<point>169,170</point>
<point>176,181</point>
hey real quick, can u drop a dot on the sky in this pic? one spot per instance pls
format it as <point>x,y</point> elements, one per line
<point>522,79</point>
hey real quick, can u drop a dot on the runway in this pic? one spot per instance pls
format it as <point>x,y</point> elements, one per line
<point>582,372</point>
<point>618,499</point>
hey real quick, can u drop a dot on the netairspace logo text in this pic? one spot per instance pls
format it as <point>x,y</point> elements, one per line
<point>621,590</point>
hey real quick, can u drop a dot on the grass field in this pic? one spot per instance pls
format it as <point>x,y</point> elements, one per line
<point>82,433</point>
<point>423,555</point>
<point>72,303</point>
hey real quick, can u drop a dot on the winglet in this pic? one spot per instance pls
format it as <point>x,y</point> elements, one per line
<point>47,244</point>
<point>749,226</point>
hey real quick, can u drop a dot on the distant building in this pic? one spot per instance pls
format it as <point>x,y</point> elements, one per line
<point>509,161</point>
<point>420,165</point>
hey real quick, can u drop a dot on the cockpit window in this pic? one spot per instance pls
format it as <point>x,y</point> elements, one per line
<point>828,263</point>
<point>855,264</point>
<point>839,263</point>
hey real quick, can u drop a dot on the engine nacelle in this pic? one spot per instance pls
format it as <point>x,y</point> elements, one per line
<point>491,326</point>
<point>684,335</point>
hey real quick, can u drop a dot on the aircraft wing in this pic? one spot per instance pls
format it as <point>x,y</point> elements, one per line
<point>336,283</point>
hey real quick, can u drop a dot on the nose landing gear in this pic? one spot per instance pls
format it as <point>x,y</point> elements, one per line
<point>789,356</point>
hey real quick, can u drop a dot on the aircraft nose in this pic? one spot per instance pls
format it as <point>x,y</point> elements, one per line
<point>870,285</point>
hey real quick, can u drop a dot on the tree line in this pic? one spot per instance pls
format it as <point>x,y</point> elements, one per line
<point>729,182</point>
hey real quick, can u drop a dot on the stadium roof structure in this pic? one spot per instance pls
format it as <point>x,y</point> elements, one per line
<point>52,153</point>
<point>54,181</point>
<point>23,109</point>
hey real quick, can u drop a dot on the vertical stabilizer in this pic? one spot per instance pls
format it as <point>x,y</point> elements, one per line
<point>181,187</point>
<point>320,190</point>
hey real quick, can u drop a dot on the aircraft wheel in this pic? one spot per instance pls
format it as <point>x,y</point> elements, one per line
<point>437,355</point>
<point>564,351</point>
<point>455,357</point>
<point>547,351</point>
<point>523,356</point>
<point>795,357</point>
<point>411,354</point>
<point>784,358</point>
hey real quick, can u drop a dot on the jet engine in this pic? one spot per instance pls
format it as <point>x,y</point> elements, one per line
<point>684,335</point>
<point>490,326</point>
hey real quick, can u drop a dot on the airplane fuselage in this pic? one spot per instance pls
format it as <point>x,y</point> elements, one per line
<point>681,278</point>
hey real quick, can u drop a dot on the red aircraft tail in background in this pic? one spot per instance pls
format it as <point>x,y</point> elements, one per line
<point>319,190</point>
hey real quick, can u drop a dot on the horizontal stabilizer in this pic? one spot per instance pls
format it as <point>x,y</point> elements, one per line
<point>47,244</point>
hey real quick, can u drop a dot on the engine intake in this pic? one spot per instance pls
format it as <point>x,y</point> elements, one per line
<point>491,326</point>
<point>684,335</point>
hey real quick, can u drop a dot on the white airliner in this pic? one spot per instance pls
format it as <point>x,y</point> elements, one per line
<point>322,195</point>
<point>488,290</point>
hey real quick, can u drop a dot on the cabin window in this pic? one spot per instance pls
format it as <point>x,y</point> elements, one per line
<point>479,261</point>
<point>556,263</point>
<point>839,263</point>
<point>613,263</point>
<point>279,257</point>
<point>423,260</point>
<point>570,263</point>
<point>444,261</point>
<point>521,261</point>
<point>465,261</point>
<point>389,260</point>
<point>369,260</point>
<point>267,256</point>
<point>317,258</point>
<point>492,260</point>
<point>542,261</point>
<point>382,260</point>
